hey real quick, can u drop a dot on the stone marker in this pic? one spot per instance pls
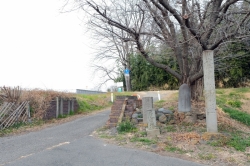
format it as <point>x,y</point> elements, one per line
<point>147,104</point>
<point>184,101</point>
<point>152,130</point>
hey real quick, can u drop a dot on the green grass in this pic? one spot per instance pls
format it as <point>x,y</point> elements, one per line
<point>231,104</point>
<point>145,141</point>
<point>175,149</point>
<point>234,138</point>
<point>234,104</point>
<point>239,143</point>
<point>89,103</point>
<point>238,115</point>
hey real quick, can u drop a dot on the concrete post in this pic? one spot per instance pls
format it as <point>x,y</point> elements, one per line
<point>147,104</point>
<point>61,106</point>
<point>112,97</point>
<point>68,106</point>
<point>159,96</point>
<point>209,91</point>
<point>72,108</point>
<point>57,107</point>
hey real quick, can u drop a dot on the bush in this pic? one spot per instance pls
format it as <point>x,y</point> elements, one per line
<point>126,126</point>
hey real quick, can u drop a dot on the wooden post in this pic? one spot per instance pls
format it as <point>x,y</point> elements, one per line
<point>28,112</point>
<point>209,91</point>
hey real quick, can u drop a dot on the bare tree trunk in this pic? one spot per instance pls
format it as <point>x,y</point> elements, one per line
<point>197,89</point>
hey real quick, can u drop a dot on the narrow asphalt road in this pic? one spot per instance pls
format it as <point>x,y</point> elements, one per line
<point>71,144</point>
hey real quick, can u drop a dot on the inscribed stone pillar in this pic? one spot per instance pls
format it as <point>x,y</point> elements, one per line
<point>147,104</point>
<point>209,91</point>
<point>184,100</point>
<point>152,130</point>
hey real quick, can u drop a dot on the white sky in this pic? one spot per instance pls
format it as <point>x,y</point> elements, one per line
<point>41,48</point>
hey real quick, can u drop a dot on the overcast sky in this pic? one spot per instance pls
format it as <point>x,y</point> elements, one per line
<point>42,48</point>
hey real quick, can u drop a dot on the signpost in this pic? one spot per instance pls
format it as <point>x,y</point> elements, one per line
<point>127,79</point>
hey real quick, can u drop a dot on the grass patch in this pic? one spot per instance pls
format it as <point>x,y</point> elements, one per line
<point>170,128</point>
<point>62,116</point>
<point>236,139</point>
<point>175,149</point>
<point>234,104</point>
<point>145,141</point>
<point>231,104</point>
<point>159,103</point>
<point>208,156</point>
<point>239,143</point>
<point>106,136</point>
<point>89,103</point>
<point>238,115</point>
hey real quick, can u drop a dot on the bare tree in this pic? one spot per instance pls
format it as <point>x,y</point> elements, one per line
<point>187,27</point>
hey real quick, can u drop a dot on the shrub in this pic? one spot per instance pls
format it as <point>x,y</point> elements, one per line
<point>126,126</point>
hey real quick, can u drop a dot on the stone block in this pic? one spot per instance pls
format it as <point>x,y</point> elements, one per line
<point>184,100</point>
<point>153,132</point>
<point>163,118</point>
<point>147,104</point>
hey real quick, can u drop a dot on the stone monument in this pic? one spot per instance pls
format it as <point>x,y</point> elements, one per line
<point>152,130</point>
<point>147,104</point>
<point>184,100</point>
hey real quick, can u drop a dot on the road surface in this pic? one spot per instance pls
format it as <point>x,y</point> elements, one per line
<point>71,144</point>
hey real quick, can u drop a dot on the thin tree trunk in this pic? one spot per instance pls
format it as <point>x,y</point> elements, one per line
<point>197,89</point>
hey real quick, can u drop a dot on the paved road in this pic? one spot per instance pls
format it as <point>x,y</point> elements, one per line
<point>71,144</point>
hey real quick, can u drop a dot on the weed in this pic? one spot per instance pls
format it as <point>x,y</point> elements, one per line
<point>175,149</point>
<point>119,138</point>
<point>126,126</point>
<point>235,104</point>
<point>208,156</point>
<point>171,108</point>
<point>220,142</point>
<point>62,116</point>
<point>71,112</point>
<point>106,136</point>
<point>170,128</point>
<point>143,133</point>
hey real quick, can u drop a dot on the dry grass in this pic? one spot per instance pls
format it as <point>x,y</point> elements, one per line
<point>40,100</point>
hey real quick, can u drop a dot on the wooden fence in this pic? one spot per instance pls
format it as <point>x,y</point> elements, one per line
<point>10,113</point>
